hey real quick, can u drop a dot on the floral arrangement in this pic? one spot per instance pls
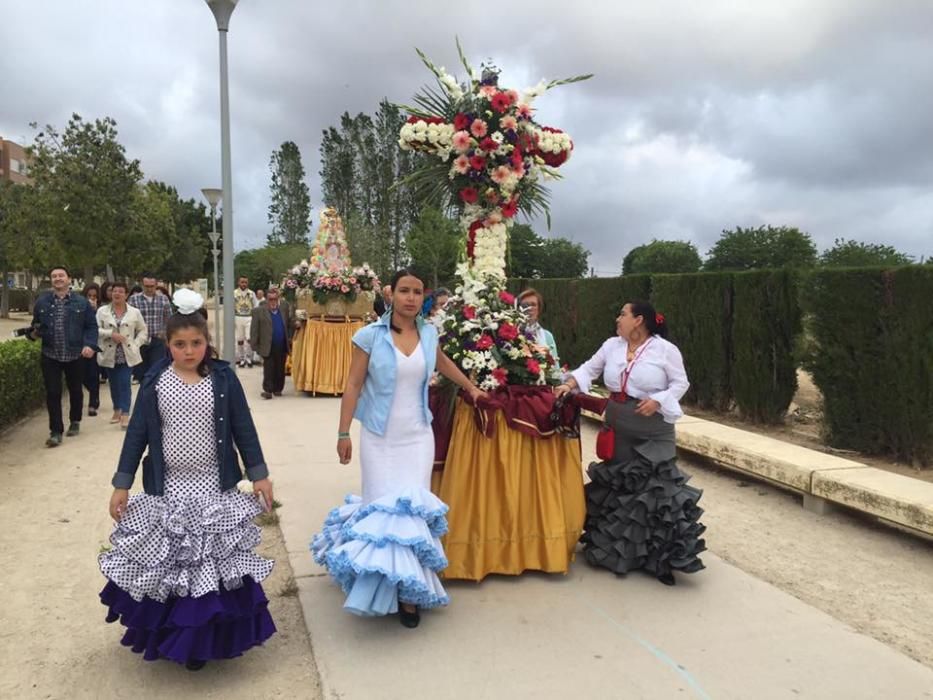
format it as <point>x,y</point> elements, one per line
<point>492,155</point>
<point>366,278</point>
<point>299,277</point>
<point>492,158</point>
<point>330,285</point>
<point>485,334</point>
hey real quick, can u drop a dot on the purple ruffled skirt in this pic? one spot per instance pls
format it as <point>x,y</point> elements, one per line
<point>217,625</point>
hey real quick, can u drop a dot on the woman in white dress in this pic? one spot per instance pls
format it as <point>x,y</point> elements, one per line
<point>384,549</point>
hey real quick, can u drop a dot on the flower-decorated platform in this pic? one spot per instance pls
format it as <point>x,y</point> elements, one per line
<point>333,301</point>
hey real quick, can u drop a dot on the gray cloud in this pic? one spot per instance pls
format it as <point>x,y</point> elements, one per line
<point>702,116</point>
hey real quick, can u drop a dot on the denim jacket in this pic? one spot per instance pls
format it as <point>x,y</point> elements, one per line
<point>372,409</point>
<point>232,424</point>
<point>80,322</point>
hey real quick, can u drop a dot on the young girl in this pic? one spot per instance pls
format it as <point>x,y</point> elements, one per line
<point>384,549</point>
<point>183,577</point>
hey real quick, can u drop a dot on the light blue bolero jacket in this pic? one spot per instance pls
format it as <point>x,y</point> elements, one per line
<point>372,408</point>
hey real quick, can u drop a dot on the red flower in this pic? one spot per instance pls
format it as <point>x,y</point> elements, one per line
<point>659,319</point>
<point>533,366</point>
<point>469,195</point>
<point>469,312</point>
<point>510,209</point>
<point>484,343</point>
<point>488,144</point>
<point>501,375</point>
<point>517,157</point>
<point>501,101</point>
<point>426,120</point>
<point>506,297</point>
<point>461,121</point>
<point>478,163</point>
<point>508,332</point>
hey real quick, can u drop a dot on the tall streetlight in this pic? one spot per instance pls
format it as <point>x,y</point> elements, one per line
<point>222,10</point>
<point>213,197</point>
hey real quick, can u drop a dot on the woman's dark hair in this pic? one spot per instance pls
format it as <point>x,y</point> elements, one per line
<point>105,292</point>
<point>178,322</point>
<point>91,287</point>
<point>404,272</point>
<point>135,290</point>
<point>654,322</point>
<point>121,285</point>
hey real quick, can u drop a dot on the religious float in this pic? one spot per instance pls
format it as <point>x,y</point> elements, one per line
<point>511,468</point>
<point>333,300</point>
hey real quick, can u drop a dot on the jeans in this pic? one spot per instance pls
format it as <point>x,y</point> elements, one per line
<point>92,380</point>
<point>121,393</point>
<point>52,376</point>
<point>152,353</point>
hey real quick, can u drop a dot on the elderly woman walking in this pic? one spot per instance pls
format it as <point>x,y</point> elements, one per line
<point>641,514</point>
<point>122,333</point>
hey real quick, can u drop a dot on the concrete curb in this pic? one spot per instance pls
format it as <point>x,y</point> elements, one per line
<point>822,479</point>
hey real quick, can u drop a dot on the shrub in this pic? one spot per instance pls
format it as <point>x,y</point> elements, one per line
<point>21,387</point>
<point>765,324</point>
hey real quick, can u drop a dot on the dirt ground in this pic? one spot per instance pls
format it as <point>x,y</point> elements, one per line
<point>54,642</point>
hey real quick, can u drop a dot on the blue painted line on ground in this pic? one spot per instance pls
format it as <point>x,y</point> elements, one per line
<point>659,654</point>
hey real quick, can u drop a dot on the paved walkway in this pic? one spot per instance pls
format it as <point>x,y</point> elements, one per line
<point>720,634</point>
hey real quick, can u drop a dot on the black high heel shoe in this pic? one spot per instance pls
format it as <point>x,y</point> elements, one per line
<point>409,619</point>
<point>667,579</point>
<point>195,664</point>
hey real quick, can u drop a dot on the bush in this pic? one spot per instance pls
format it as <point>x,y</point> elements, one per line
<point>19,299</point>
<point>21,387</point>
<point>765,324</point>
<point>698,308</point>
<point>872,357</point>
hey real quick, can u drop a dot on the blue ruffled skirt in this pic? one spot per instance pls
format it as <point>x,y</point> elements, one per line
<point>386,552</point>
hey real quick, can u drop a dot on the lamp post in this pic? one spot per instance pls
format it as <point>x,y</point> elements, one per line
<point>213,197</point>
<point>222,10</point>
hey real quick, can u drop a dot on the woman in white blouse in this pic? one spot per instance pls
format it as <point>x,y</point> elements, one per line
<point>641,514</point>
<point>121,333</point>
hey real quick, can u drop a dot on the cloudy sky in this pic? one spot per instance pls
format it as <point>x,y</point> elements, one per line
<point>702,115</point>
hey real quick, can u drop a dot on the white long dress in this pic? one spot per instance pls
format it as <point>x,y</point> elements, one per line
<point>384,548</point>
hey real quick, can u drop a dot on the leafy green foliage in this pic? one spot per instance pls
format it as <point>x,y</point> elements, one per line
<point>265,266</point>
<point>531,256</point>
<point>761,248</point>
<point>847,253</point>
<point>434,246</point>
<point>290,209</point>
<point>20,380</point>
<point>662,256</point>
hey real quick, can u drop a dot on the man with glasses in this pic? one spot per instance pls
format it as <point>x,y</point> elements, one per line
<point>156,309</point>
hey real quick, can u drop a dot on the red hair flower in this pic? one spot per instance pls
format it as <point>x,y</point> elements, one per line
<point>659,319</point>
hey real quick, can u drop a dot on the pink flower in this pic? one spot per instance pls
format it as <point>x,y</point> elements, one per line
<point>508,122</point>
<point>501,375</point>
<point>519,170</point>
<point>478,128</point>
<point>524,111</point>
<point>462,164</point>
<point>488,91</point>
<point>507,298</point>
<point>484,343</point>
<point>514,95</point>
<point>344,289</point>
<point>500,174</point>
<point>461,141</point>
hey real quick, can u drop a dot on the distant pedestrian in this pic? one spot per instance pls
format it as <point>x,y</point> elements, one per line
<point>156,309</point>
<point>271,336</point>
<point>65,322</point>
<point>244,301</point>
<point>123,335</point>
<point>91,378</point>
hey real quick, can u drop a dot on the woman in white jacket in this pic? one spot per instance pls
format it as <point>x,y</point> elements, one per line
<point>122,332</point>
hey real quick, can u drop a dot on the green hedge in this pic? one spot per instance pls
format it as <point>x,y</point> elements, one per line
<point>698,308</point>
<point>766,322</point>
<point>871,355</point>
<point>21,388</point>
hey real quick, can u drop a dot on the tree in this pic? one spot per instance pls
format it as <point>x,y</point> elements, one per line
<point>265,266</point>
<point>154,238</point>
<point>762,247</point>
<point>290,210</point>
<point>89,185</point>
<point>434,246</point>
<point>662,256</point>
<point>855,254</point>
<point>563,258</point>
<point>526,249</point>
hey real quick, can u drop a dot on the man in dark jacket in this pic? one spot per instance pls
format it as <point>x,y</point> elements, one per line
<point>270,335</point>
<point>67,325</point>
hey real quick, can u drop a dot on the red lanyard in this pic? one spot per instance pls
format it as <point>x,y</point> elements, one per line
<point>628,370</point>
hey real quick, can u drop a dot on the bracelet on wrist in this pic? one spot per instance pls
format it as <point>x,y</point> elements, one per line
<point>341,436</point>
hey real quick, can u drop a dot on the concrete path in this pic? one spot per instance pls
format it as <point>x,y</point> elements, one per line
<point>719,634</point>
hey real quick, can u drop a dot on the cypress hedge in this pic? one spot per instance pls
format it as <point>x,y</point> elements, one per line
<point>21,387</point>
<point>765,325</point>
<point>872,358</point>
<point>698,309</point>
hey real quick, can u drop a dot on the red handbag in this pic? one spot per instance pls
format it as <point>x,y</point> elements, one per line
<point>606,443</point>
